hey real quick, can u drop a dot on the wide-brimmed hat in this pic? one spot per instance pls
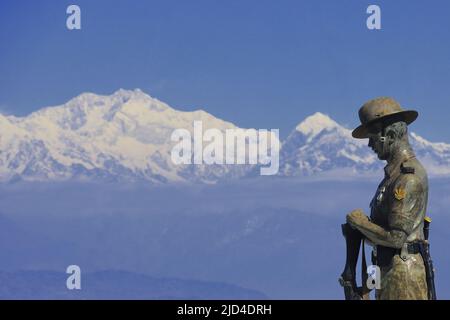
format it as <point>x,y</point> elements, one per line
<point>381,108</point>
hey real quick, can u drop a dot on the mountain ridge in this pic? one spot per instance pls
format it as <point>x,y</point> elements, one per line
<point>125,136</point>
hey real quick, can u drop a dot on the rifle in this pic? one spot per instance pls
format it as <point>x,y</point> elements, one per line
<point>354,239</point>
<point>424,249</point>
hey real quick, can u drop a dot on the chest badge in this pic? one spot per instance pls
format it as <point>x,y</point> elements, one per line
<point>399,193</point>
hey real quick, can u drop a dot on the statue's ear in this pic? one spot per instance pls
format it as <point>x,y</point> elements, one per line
<point>390,135</point>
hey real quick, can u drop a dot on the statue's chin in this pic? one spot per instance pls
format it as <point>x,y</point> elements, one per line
<point>380,156</point>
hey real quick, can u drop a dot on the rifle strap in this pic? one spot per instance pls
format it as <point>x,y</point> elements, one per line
<point>364,263</point>
<point>364,275</point>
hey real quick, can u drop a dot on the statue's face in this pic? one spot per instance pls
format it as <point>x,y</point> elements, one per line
<point>376,143</point>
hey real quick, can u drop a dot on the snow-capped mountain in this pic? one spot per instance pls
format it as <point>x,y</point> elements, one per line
<point>319,145</point>
<point>124,136</point>
<point>127,136</point>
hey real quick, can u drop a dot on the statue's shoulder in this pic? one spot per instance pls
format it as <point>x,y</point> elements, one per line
<point>413,167</point>
<point>409,188</point>
<point>412,175</point>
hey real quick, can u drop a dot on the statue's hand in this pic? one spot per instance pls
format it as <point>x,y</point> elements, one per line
<point>357,218</point>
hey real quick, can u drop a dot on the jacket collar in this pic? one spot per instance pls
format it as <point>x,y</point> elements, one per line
<point>402,156</point>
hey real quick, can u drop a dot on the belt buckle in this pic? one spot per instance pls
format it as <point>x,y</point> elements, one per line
<point>404,252</point>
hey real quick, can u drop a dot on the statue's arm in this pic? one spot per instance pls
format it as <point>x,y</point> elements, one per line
<point>405,204</point>
<point>380,236</point>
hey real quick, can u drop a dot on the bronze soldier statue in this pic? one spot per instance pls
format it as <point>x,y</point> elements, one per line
<point>397,228</point>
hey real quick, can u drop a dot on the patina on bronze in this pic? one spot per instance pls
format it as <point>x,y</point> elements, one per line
<point>397,220</point>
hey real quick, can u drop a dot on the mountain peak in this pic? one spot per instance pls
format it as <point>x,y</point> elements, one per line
<point>315,123</point>
<point>121,99</point>
<point>120,94</point>
<point>142,99</point>
<point>130,93</point>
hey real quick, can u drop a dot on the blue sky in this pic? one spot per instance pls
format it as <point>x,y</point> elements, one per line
<point>263,64</point>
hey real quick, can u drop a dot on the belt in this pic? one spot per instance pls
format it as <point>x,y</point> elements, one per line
<point>413,247</point>
<point>384,254</point>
